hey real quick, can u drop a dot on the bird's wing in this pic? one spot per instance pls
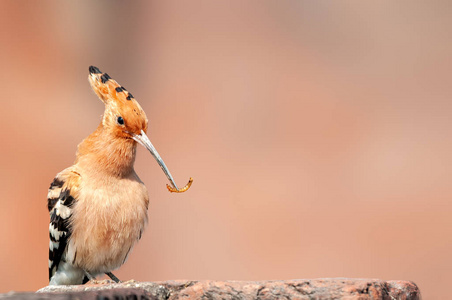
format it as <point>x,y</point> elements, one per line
<point>60,200</point>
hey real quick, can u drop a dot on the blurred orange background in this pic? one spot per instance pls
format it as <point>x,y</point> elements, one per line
<point>318,134</point>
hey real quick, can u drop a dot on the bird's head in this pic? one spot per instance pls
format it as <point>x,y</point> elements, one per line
<point>123,117</point>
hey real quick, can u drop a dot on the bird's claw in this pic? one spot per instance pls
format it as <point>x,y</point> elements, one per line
<point>101,282</point>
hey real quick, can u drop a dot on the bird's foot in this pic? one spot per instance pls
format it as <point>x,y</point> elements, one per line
<point>130,281</point>
<point>101,282</point>
<point>113,277</point>
<point>90,279</point>
<point>93,280</point>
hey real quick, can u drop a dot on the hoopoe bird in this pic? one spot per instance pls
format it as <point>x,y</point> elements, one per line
<point>98,206</point>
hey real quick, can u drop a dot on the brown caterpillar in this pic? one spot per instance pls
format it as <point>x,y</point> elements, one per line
<point>185,188</point>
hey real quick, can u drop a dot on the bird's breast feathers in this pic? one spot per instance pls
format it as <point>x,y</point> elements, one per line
<point>109,217</point>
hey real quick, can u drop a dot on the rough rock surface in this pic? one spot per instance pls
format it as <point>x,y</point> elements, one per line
<point>329,288</point>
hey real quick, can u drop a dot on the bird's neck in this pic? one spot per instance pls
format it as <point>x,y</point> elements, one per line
<point>104,153</point>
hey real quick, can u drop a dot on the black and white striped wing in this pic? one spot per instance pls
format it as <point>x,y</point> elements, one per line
<point>59,203</point>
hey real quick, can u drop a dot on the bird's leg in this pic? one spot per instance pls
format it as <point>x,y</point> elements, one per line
<point>113,277</point>
<point>91,278</point>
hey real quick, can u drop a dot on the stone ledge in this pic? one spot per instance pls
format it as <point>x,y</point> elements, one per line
<point>328,288</point>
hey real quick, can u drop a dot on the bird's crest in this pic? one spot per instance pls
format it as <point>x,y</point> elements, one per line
<point>107,88</point>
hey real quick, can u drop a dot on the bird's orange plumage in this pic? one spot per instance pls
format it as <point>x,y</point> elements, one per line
<point>98,206</point>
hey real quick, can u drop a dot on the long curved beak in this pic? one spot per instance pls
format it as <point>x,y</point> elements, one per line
<point>144,141</point>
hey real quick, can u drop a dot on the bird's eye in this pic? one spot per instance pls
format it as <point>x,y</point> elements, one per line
<point>120,121</point>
